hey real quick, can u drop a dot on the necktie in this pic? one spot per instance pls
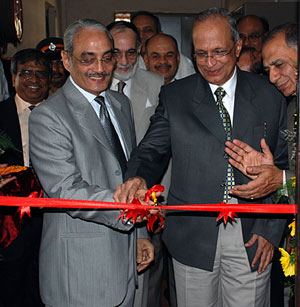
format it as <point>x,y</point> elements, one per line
<point>220,94</point>
<point>121,86</point>
<point>31,107</point>
<point>111,134</point>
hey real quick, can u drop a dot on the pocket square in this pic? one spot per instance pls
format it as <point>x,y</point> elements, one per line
<point>148,103</point>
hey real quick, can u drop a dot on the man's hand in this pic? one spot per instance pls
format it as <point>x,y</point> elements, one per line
<point>145,254</point>
<point>133,187</point>
<point>243,156</point>
<point>268,178</point>
<point>264,252</point>
<point>258,166</point>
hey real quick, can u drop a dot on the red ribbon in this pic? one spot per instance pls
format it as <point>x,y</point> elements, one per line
<point>89,204</point>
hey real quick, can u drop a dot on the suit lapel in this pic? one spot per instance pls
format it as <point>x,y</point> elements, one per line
<point>138,94</point>
<point>85,114</point>
<point>206,109</point>
<point>244,109</point>
<point>122,120</point>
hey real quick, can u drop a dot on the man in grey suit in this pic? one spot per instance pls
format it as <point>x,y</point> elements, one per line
<point>214,264</point>
<point>79,141</point>
<point>140,86</point>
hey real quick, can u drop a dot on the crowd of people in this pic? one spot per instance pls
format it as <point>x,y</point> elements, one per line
<point>109,111</point>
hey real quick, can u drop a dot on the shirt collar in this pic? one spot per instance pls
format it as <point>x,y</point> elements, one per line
<point>89,96</point>
<point>22,104</point>
<point>229,86</point>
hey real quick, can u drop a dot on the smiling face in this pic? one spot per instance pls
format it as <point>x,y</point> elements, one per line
<point>280,61</point>
<point>89,64</point>
<point>213,36</point>
<point>34,89</point>
<point>162,57</point>
<point>125,42</point>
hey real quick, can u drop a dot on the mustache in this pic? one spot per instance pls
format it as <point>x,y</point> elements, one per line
<point>57,74</point>
<point>163,66</point>
<point>124,66</point>
<point>97,74</point>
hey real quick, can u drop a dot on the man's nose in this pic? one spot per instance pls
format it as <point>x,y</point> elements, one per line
<point>273,75</point>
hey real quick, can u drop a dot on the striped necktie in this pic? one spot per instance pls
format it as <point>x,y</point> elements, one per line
<point>220,94</point>
<point>111,134</point>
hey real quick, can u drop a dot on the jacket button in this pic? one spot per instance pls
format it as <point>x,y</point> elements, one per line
<point>223,184</point>
<point>118,173</point>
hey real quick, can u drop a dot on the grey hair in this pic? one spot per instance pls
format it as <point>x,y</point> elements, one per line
<point>290,31</point>
<point>76,26</point>
<point>223,13</point>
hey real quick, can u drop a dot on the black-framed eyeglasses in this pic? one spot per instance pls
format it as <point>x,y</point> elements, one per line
<point>28,74</point>
<point>107,59</point>
<point>200,57</point>
<point>130,54</point>
<point>253,37</point>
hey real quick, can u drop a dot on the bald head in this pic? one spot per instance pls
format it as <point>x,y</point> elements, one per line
<point>162,56</point>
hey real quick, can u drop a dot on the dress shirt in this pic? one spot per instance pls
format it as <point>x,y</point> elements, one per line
<point>96,106</point>
<point>228,101</point>
<point>127,87</point>
<point>23,115</point>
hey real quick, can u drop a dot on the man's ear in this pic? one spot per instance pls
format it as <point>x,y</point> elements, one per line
<point>13,78</point>
<point>66,60</point>
<point>238,47</point>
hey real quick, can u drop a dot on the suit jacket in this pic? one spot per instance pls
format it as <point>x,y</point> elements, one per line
<point>187,124</point>
<point>85,255</point>
<point>10,125</point>
<point>144,91</point>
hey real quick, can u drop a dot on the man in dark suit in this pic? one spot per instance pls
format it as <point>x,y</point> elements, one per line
<point>79,141</point>
<point>19,267</point>
<point>214,264</point>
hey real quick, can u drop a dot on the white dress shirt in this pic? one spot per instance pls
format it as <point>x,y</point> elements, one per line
<point>127,87</point>
<point>229,99</point>
<point>23,115</point>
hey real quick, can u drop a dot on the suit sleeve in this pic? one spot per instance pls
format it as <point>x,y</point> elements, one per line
<point>52,156</point>
<point>151,158</point>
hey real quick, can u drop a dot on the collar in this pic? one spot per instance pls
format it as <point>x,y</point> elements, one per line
<point>90,97</point>
<point>22,104</point>
<point>229,86</point>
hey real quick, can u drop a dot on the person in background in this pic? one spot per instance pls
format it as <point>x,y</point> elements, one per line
<point>19,284</point>
<point>149,25</point>
<point>250,60</point>
<point>162,56</point>
<point>52,47</point>
<point>252,30</point>
<point>142,88</point>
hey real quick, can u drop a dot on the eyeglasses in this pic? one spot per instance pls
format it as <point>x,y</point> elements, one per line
<point>130,54</point>
<point>201,57</point>
<point>108,59</point>
<point>28,74</point>
<point>253,37</point>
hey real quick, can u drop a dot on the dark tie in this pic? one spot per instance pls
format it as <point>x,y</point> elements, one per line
<point>111,134</point>
<point>121,86</point>
<point>220,93</point>
<point>31,107</point>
